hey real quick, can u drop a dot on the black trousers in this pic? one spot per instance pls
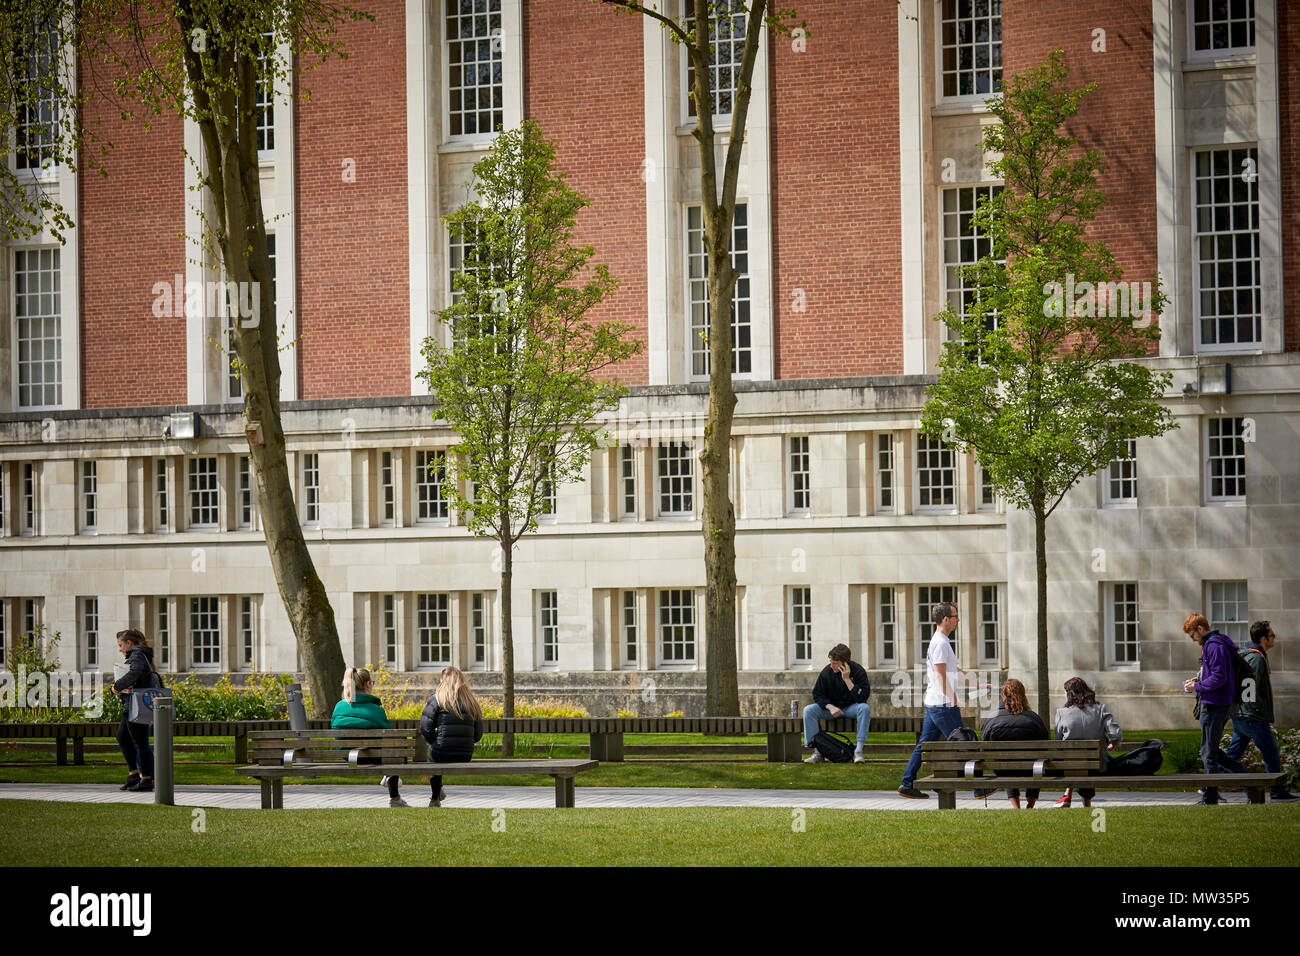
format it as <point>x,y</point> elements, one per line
<point>134,741</point>
<point>393,782</point>
<point>437,756</point>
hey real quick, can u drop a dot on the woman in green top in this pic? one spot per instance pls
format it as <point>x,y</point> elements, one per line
<point>361,709</point>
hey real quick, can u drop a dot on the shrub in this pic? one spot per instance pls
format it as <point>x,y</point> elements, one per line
<point>624,712</point>
<point>541,707</point>
<point>674,713</point>
<point>1184,756</point>
<point>1288,745</point>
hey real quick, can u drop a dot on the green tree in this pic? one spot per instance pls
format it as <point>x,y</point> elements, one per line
<point>518,382</point>
<point>203,60</point>
<point>694,32</point>
<point>1044,378</point>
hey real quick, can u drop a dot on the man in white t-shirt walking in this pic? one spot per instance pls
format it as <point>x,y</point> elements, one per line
<point>942,715</point>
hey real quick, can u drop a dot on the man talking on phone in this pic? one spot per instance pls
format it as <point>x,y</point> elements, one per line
<point>841,690</point>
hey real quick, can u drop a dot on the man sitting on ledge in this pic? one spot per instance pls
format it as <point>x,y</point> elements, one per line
<point>841,690</point>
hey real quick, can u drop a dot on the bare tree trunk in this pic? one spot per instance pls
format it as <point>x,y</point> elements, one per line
<point>1040,556</point>
<point>507,649</point>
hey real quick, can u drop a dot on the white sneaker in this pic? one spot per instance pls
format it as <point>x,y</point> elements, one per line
<point>398,802</point>
<point>859,758</point>
<point>815,757</point>
<point>383,782</point>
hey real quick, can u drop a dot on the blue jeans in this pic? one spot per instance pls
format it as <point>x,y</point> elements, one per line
<point>815,712</point>
<point>1245,731</point>
<point>939,723</point>
<point>1213,719</point>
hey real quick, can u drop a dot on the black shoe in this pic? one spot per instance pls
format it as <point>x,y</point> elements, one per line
<point>1203,802</point>
<point>1285,795</point>
<point>980,794</point>
<point>132,782</point>
<point>913,793</point>
<point>146,786</point>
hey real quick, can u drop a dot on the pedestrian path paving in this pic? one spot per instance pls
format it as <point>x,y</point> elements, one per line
<point>334,796</point>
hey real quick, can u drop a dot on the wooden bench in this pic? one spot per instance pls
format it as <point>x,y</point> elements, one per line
<point>338,753</point>
<point>1054,763</point>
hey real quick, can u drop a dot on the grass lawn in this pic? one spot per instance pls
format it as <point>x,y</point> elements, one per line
<point>61,834</point>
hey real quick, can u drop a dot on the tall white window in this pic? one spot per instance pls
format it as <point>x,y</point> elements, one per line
<point>674,465</point>
<point>163,632</point>
<point>726,53</point>
<point>1229,610</point>
<point>936,471</point>
<point>31,616</point>
<point>971,47</point>
<point>247,630</point>
<point>161,514</point>
<point>388,628</point>
<point>1227,269</point>
<point>387,489</point>
<point>799,483</point>
<point>311,489</point>
<point>963,245</point>
<point>677,626</point>
<point>887,627</point>
<point>430,476</point>
<point>697,293</point>
<point>1225,459</point>
<point>627,482</point>
<point>990,616</point>
<point>247,503</point>
<point>988,494</point>
<point>799,616</point>
<point>1222,26</point>
<point>1121,477</point>
<point>38,316</point>
<point>474,67</point>
<point>547,492</point>
<point>629,628</point>
<point>28,524</point>
<point>264,105</point>
<point>927,596</point>
<point>205,632</point>
<point>478,630</point>
<point>1122,624</point>
<point>89,496</point>
<point>36,128</point>
<point>203,492</point>
<point>886,502</point>
<point>433,629</point>
<point>90,630</point>
<point>548,626</point>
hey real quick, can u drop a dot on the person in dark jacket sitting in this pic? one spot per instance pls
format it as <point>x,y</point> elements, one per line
<point>360,709</point>
<point>1015,721</point>
<point>452,723</point>
<point>841,690</point>
<point>134,738</point>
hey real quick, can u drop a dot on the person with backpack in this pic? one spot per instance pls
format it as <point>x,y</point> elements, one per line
<point>1216,687</point>
<point>841,690</point>
<point>133,738</point>
<point>1254,713</point>
<point>452,723</point>
<point>1015,721</point>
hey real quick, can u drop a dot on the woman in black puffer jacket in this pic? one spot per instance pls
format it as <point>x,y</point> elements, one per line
<point>452,723</point>
<point>1015,721</point>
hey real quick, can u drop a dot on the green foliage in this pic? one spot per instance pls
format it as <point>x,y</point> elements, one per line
<point>538,707</point>
<point>37,652</point>
<point>624,712</point>
<point>261,698</point>
<point>1288,745</point>
<point>1184,756</point>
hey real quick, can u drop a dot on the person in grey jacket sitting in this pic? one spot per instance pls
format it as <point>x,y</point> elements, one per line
<point>1082,718</point>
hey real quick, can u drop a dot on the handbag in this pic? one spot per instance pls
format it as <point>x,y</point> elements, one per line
<point>140,706</point>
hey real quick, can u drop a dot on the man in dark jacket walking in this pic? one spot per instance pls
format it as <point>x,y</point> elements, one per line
<point>1216,690</point>
<point>841,690</point>
<point>1251,719</point>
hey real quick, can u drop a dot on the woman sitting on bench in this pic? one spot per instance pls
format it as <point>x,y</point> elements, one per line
<point>452,723</point>
<point>1082,718</point>
<point>359,709</point>
<point>1015,721</point>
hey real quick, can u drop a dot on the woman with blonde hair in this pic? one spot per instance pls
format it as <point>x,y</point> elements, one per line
<point>1015,721</point>
<point>452,723</point>
<point>359,708</point>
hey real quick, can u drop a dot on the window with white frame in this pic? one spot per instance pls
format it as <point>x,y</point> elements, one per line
<point>264,99</point>
<point>990,619</point>
<point>799,483</point>
<point>247,630</point>
<point>936,473</point>
<point>430,477</point>
<point>31,616</point>
<point>887,627</point>
<point>204,496</point>
<point>677,626</point>
<point>162,631</point>
<point>387,490</point>
<point>927,596</point>
<point>1226,240</point>
<point>1225,459</point>
<point>388,629</point>
<point>161,514</point>
<point>38,319</point>
<point>627,482</point>
<point>697,293</point>
<point>205,632</point>
<point>886,501</point>
<point>629,628</point>
<point>988,493</point>
<point>726,53</point>
<point>548,626</point>
<point>1229,612</point>
<point>547,493</point>
<point>89,496</point>
<point>1222,26</point>
<point>433,629</point>
<point>675,469</point>
<point>28,524</point>
<point>90,630</point>
<point>311,488</point>
<point>36,115</point>
<point>963,246</point>
<point>246,518</point>
<point>1121,477</point>
<point>478,630</point>
<point>474,67</point>
<point>1122,624</point>
<point>799,616</point>
<point>971,47</point>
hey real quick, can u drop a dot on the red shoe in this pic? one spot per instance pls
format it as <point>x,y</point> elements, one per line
<point>1064,802</point>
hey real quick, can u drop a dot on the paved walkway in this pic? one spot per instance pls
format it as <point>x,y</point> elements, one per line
<point>322,796</point>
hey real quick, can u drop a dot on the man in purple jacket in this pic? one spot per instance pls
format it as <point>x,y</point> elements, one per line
<point>1215,687</point>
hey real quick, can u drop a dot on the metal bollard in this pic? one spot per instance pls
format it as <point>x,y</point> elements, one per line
<point>297,710</point>
<point>164,752</point>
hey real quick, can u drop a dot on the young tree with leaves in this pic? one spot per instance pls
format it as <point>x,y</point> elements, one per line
<point>201,60</point>
<point>518,381</point>
<point>1044,387</point>
<point>694,31</point>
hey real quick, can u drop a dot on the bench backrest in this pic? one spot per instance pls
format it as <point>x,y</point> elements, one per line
<point>270,747</point>
<point>949,758</point>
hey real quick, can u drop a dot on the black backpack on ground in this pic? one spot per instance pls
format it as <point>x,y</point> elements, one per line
<point>833,747</point>
<point>1139,762</point>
